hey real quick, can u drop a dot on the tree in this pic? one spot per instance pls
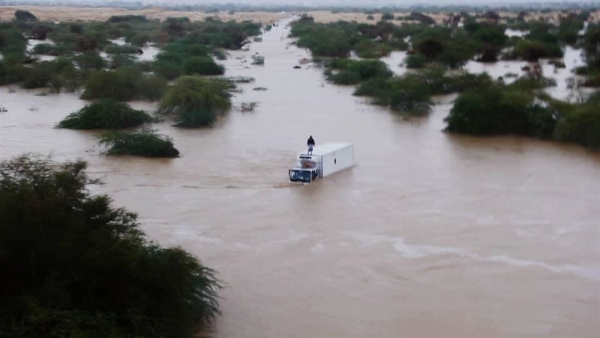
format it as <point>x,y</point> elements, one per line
<point>387,16</point>
<point>24,16</point>
<point>196,100</point>
<point>75,266</point>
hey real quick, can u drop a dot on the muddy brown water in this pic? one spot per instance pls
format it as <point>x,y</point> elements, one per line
<point>429,235</point>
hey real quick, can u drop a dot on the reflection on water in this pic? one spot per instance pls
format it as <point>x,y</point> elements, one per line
<point>430,234</point>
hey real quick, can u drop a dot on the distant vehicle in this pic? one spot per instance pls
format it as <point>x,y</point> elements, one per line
<point>326,159</point>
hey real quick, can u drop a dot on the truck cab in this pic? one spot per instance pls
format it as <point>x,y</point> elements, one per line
<point>307,168</point>
<point>303,175</point>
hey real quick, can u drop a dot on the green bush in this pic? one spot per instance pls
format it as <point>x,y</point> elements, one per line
<point>12,73</point>
<point>328,42</point>
<point>530,50</point>
<point>75,266</point>
<point>151,87</point>
<point>12,42</point>
<point>105,114</point>
<point>415,61</point>
<point>45,49</point>
<point>89,61</point>
<point>123,85</point>
<point>167,69</point>
<point>494,110</point>
<point>195,118</point>
<point>121,60</point>
<point>202,66</point>
<point>372,50</point>
<point>362,69</point>
<point>410,95</point>
<point>345,77</point>
<point>451,48</point>
<point>581,126</point>
<point>120,49</point>
<point>387,16</point>
<point>118,85</point>
<point>145,143</point>
<point>192,98</point>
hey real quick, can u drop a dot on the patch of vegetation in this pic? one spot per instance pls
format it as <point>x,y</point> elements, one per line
<point>57,74</point>
<point>74,265</point>
<point>105,114</point>
<point>387,16</point>
<point>591,47</point>
<point>202,66</point>
<point>523,109</point>
<point>340,38</point>
<point>120,49</point>
<point>495,110</point>
<point>351,72</point>
<point>187,48</point>
<point>415,61</point>
<point>196,101</point>
<point>444,46</point>
<point>12,43</point>
<point>123,84</point>
<point>532,50</point>
<point>24,16</point>
<point>146,143</point>
<point>580,123</point>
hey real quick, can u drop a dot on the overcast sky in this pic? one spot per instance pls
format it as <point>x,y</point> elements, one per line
<point>365,3</point>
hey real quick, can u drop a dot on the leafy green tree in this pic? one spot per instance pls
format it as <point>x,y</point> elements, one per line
<point>489,39</point>
<point>410,95</point>
<point>24,16</point>
<point>75,266</point>
<point>387,16</point>
<point>533,50</point>
<point>195,100</point>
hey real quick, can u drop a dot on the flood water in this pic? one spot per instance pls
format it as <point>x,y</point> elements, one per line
<point>429,235</point>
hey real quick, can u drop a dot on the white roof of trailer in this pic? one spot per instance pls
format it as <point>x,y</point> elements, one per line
<point>327,148</point>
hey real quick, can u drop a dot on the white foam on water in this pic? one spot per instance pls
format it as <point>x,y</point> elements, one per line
<point>413,251</point>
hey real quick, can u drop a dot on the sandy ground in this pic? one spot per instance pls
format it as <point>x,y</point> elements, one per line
<point>89,13</point>
<point>103,13</point>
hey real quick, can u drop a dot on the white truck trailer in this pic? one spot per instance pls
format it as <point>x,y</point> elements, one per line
<point>326,159</point>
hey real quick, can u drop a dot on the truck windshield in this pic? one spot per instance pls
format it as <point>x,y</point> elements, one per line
<point>300,175</point>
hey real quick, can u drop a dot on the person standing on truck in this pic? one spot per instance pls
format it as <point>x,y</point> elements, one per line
<point>310,143</point>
